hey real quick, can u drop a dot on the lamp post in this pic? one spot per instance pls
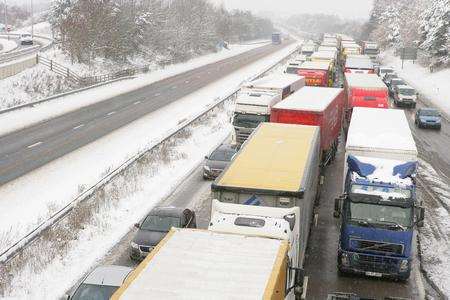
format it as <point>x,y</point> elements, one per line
<point>6,20</point>
<point>32,21</point>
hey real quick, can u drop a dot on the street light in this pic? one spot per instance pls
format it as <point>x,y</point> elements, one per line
<point>32,21</point>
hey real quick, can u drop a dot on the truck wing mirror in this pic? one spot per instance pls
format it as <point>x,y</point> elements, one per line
<point>420,217</point>
<point>291,220</point>
<point>137,225</point>
<point>337,207</point>
<point>299,281</point>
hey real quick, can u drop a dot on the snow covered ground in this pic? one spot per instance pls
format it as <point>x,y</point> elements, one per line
<point>7,45</point>
<point>37,83</point>
<point>435,86</point>
<point>36,195</point>
<point>435,235</point>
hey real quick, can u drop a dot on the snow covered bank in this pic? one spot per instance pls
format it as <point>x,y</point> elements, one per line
<point>435,235</point>
<point>7,45</point>
<point>435,86</point>
<point>12,93</point>
<point>57,183</point>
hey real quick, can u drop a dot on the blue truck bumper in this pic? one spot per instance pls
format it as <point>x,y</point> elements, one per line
<point>398,268</point>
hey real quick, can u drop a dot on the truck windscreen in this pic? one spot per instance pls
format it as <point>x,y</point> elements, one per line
<point>381,215</point>
<point>249,120</point>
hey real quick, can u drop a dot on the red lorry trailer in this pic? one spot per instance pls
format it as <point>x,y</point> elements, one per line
<point>317,106</point>
<point>316,73</point>
<point>364,90</point>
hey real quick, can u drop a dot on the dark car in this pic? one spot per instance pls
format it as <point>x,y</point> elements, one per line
<point>218,161</point>
<point>101,283</point>
<point>428,118</point>
<point>388,77</point>
<point>393,83</point>
<point>156,225</point>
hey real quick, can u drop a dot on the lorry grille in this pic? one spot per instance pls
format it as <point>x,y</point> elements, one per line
<point>241,137</point>
<point>374,263</point>
<point>145,248</point>
<point>378,247</point>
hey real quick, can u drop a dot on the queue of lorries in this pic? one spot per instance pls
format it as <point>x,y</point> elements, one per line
<point>267,185</point>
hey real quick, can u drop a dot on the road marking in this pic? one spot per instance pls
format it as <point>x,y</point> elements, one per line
<point>187,81</point>
<point>136,103</point>
<point>316,219</point>
<point>34,145</point>
<point>157,94</point>
<point>77,127</point>
<point>174,87</point>
<point>111,113</point>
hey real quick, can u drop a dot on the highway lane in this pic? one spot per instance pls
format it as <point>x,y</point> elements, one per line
<point>27,149</point>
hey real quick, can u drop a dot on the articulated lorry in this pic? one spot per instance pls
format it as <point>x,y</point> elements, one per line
<point>378,209</point>
<point>317,73</point>
<point>247,252</point>
<point>252,108</point>
<point>278,166</point>
<point>315,106</point>
<point>360,64</point>
<point>364,90</point>
<point>256,98</point>
<point>276,38</point>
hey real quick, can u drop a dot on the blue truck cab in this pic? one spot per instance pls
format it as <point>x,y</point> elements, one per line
<point>378,213</point>
<point>276,38</point>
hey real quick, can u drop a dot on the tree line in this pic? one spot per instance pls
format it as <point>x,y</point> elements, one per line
<point>158,30</point>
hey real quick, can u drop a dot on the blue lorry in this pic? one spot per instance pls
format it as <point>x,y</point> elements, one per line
<point>276,38</point>
<point>378,209</point>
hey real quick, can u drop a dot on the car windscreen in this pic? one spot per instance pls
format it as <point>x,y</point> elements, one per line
<point>160,223</point>
<point>249,120</point>
<point>292,70</point>
<point>407,92</point>
<point>222,155</point>
<point>430,113</point>
<point>94,292</point>
<point>397,82</point>
<point>383,215</point>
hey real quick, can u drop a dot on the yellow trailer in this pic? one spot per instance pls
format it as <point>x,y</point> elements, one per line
<point>202,264</point>
<point>277,167</point>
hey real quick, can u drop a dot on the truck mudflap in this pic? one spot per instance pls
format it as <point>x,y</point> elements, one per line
<point>377,266</point>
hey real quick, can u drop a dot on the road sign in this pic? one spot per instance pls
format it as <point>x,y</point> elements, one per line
<point>408,53</point>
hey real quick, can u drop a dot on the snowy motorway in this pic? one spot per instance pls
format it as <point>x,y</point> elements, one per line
<point>25,150</point>
<point>321,258</point>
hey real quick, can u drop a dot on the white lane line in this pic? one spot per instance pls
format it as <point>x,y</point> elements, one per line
<point>34,145</point>
<point>136,103</point>
<point>174,87</point>
<point>111,113</point>
<point>157,94</point>
<point>187,81</point>
<point>77,127</point>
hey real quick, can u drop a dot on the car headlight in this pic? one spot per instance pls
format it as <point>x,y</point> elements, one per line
<point>403,265</point>
<point>134,245</point>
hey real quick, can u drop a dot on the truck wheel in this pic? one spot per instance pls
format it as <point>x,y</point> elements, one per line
<point>413,105</point>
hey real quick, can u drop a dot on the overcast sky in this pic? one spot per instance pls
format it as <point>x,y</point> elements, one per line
<point>345,8</point>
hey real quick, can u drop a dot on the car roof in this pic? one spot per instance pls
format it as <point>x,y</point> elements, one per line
<point>225,147</point>
<point>168,211</point>
<point>428,109</point>
<point>108,275</point>
<point>404,86</point>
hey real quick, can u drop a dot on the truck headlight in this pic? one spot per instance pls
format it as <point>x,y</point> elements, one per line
<point>134,245</point>
<point>344,259</point>
<point>403,265</point>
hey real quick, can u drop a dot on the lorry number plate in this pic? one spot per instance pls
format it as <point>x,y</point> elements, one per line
<point>373,274</point>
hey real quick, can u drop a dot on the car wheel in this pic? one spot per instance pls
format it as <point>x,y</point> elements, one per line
<point>439,127</point>
<point>413,105</point>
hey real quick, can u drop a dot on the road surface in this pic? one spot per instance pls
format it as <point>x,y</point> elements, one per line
<point>25,150</point>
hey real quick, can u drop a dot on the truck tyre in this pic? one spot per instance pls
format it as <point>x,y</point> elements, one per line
<point>413,105</point>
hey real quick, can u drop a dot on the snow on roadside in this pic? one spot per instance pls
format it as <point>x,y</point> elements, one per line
<point>57,183</point>
<point>435,235</point>
<point>433,85</point>
<point>31,115</point>
<point>42,28</point>
<point>7,45</point>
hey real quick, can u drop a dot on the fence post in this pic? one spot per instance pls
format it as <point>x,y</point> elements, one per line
<point>51,65</point>
<point>68,73</point>
<point>37,58</point>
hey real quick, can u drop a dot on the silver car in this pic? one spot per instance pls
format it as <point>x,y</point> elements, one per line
<point>101,283</point>
<point>218,161</point>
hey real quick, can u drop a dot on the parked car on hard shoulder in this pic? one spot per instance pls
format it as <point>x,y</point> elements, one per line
<point>156,225</point>
<point>26,39</point>
<point>382,71</point>
<point>101,283</point>
<point>428,118</point>
<point>404,95</point>
<point>388,77</point>
<point>218,160</point>
<point>393,83</point>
